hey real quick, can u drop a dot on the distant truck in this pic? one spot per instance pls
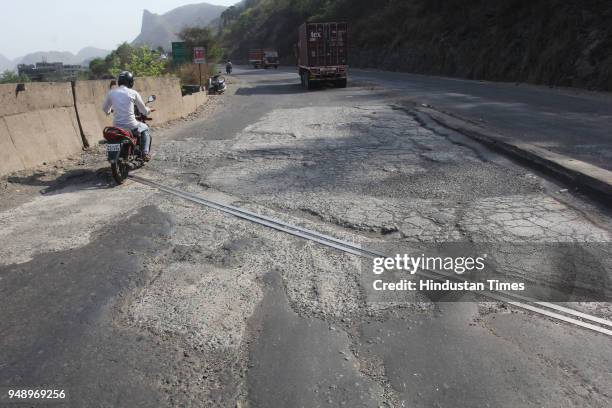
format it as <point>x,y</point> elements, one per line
<point>322,54</point>
<point>263,58</point>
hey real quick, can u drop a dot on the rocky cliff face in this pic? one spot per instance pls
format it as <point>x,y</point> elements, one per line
<point>161,30</point>
<point>552,42</point>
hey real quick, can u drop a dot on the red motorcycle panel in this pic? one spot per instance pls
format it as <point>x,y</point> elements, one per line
<point>118,135</point>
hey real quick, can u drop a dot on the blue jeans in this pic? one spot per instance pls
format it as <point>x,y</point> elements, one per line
<point>146,141</point>
<point>145,137</point>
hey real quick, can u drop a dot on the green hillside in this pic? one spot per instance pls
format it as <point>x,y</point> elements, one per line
<point>554,42</point>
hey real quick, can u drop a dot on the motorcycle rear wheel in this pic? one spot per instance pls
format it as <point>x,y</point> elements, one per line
<point>120,171</point>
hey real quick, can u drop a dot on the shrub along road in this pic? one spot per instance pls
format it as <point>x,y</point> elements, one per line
<point>125,296</point>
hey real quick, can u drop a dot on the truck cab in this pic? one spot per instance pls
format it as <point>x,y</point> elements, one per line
<point>263,58</point>
<point>270,59</point>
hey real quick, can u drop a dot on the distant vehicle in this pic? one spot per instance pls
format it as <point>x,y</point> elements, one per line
<point>322,54</point>
<point>261,58</point>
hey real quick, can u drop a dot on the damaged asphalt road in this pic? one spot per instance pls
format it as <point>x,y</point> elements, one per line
<point>129,297</point>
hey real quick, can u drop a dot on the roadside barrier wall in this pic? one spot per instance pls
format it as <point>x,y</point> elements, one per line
<point>89,97</point>
<point>170,104</point>
<point>51,121</point>
<point>192,102</point>
<point>37,125</point>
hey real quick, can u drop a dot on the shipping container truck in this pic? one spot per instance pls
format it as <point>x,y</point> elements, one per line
<point>322,53</point>
<point>263,58</point>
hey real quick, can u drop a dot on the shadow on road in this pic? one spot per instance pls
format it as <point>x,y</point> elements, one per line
<point>281,89</point>
<point>78,179</point>
<point>252,71</point>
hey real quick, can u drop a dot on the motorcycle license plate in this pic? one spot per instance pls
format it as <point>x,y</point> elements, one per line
<point>113,148</point>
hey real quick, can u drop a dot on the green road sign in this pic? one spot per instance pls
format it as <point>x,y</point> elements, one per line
<point>179,53</point>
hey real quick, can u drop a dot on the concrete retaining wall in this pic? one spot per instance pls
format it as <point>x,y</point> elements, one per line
<point>37,96</point>
<point>193,101</point>
<point>9,159</point>
<point>169,105</point>
<point>37,125</point>
<point>89,96</point>
<point>42,123</point>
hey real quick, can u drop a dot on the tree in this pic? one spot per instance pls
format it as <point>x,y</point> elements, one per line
<point>98,68</point>
<point>141,61</point>
<point>10,77</point>
<point>123,53</point>
<point>201,37</point>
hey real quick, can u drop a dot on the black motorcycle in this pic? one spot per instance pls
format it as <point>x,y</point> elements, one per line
<point>216,85</point>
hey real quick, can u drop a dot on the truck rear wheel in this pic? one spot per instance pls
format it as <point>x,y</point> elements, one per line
<point>341,83</point>
<point>307,82</point>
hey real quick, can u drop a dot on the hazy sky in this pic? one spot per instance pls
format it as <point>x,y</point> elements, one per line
<point>69,25</point>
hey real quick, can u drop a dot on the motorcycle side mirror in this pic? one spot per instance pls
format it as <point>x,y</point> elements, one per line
<point>151,98</point>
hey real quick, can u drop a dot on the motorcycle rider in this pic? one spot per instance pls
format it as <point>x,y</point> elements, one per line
<point>228,67</point>
<point>121,100</point>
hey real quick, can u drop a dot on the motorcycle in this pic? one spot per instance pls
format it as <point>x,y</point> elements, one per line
<point>216,85</point>
<point>124,147</point>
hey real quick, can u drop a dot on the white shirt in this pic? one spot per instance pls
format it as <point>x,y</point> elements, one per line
<point>122,100</point>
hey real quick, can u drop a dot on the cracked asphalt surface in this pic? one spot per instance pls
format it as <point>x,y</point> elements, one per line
<point>128,297</point>
<point>568,121</point>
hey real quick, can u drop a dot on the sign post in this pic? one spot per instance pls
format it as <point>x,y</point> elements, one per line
<point>199,57</point>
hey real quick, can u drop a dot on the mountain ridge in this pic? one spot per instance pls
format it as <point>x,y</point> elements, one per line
<point>82,57</point>
<point>161,29</point>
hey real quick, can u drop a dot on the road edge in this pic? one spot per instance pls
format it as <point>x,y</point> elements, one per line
<point>588,177</point>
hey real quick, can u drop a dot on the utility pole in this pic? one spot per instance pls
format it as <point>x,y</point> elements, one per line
<point>200,72</point>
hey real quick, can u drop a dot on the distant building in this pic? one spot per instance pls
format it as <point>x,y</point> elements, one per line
<point>51,71</point>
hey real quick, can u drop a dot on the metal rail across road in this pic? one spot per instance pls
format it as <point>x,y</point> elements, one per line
<point>550,310</point>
